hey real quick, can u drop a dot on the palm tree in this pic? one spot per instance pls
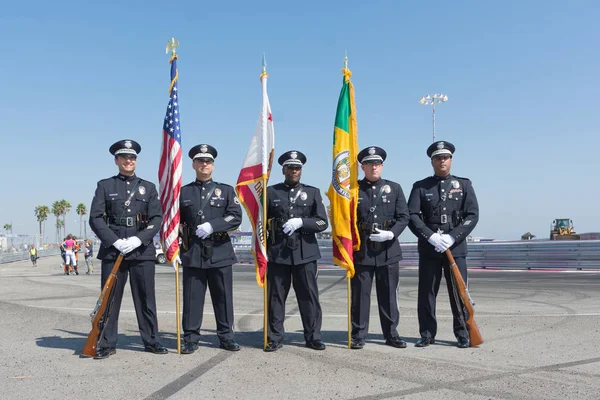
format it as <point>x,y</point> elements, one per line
<point>41,213</point>
<point>57,211</point>
<point>81,210</point>
<point>8,227</point>
<point>66,207</point>
<point>60,226</point>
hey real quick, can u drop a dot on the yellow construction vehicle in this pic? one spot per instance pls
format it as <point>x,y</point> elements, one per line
<point>562,229</point>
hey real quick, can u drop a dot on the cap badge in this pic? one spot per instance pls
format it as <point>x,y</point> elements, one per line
<point>371,150</point>
<point>128,144</point>
<point>203,148</point>
<point>440,145</point>
<point>293,155</point>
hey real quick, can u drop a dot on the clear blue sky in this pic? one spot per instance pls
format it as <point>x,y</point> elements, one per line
<point>521,79</point>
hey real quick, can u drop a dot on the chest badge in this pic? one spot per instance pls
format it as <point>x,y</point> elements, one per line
<point>303,196</point>
<point>142,190</point>
<point>218,192</point>
<point>387,189</point>
<point>455,184</point>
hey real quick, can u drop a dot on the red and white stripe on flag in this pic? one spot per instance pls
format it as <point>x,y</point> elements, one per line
<point>169,170</point>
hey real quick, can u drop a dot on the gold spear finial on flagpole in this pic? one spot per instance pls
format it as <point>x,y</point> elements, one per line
<point>264,68</point>
<point>345,70</point>
<point>172,45</point>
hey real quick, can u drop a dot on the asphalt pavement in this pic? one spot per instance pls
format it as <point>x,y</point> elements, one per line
<point>541,332</point>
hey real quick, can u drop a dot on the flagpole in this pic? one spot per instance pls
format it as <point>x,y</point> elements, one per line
<point>347,275</point>
<point>172,46</point>
<point>264,234</point>
<point>265,297</point>
<point>177,310</point>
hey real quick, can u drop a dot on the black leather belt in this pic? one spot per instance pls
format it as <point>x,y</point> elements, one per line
<point>442,219</point>
<point>125,221</point>
<point>216,236</point>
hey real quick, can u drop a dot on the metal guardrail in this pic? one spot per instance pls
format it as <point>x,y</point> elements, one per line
<point>527,254</point>
<point>24,255</point>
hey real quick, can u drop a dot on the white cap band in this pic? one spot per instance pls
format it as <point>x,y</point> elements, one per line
<point>441,151</point>
<point>204,155</point>
<point>126,151</point>
<point>293,161</point>
<point>372,157</point>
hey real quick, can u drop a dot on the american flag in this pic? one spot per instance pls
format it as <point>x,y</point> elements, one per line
<point>169,170</point>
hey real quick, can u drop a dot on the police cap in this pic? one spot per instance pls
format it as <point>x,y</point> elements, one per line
<point>293,158</point>
<point>372,154</point>
<point>203,151</point>
<point>440,148</point>
<point>125,147</point>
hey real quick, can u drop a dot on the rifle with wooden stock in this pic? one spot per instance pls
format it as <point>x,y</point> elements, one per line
<point>475,337</point>
<point>101,312</point>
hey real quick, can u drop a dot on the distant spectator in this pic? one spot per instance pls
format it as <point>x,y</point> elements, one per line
<point>33,255</point>
<point>68,245</point>
<point>89,253</point>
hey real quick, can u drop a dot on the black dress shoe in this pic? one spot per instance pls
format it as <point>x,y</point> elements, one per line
<point>424,342</point>
<point>273,346</point>
<point>316,344</point>
<point>229,345</point>
<point>189,348</point>
<point>105,352</point>
<point>357,344</point>
<point>396,342</point>
<point>156,348</point>
<point>463,343</point>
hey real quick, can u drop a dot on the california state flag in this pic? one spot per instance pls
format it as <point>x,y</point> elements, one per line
<point>252,181</point>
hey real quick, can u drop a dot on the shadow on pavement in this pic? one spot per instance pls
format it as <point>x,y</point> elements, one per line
<point>126,341</point>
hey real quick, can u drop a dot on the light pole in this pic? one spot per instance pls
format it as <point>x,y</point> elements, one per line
<point>432,100</point>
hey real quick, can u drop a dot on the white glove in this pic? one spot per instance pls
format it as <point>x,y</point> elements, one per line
<point>204,230</point>
<point>381,236</point>
<point>131,243</point>
<point>176,262</point>
<point>120,245</point>
<point>436,241</point>
<point>292,225</point>
<point>440,248</point>
<point>448,240</point>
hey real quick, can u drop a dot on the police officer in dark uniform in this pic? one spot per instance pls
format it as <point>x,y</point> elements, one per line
<point>382,216</point>
<point>209,210</point>
<point>126,214</point>
<point>295,212</point>
<point>443,212</point>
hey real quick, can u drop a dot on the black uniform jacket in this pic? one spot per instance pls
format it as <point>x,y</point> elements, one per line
<point>448,204</point>
<point>222,210</point>
<point>390,212</point>
<point>125,206</point>
<point>285,203</point>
